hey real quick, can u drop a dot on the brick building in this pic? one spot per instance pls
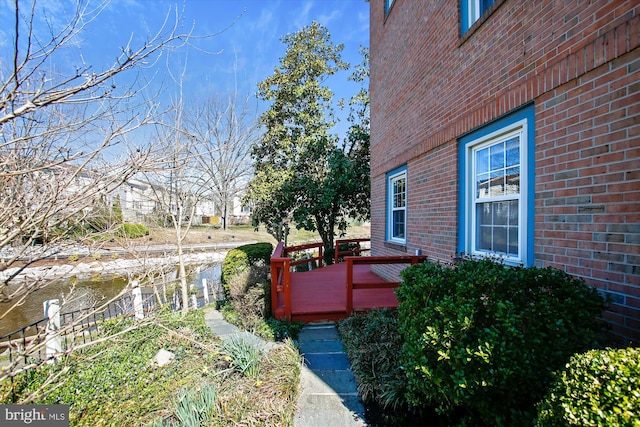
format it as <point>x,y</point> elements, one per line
<point>511,127</point>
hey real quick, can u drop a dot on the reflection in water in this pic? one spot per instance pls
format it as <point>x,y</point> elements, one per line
<point>87,292</point>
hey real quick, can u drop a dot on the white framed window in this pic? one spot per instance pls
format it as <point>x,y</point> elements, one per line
<point>471,11</point>
<point>397,206</point>
<point>496,198</point>
<point>387,6</point>
<point>496,191</point>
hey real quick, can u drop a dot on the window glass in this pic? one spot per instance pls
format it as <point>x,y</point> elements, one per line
<point>497,196</point>
<point>387,6</point>
<point>397,206</point>
<point>472,10</point>
<point>496,170</point>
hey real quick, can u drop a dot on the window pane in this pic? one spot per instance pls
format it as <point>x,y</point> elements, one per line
<point>496,186</point>
<point>485,4</point>
<point>398,224</point>
<point>496,153</point>
<point>482,183</point>
<point>483,242</point>
<point>513,213</point>
<point>513,151</point>
<point>482,161</point>
<point>513,241</point>
<point>500,213</point>
<point>497,227</point>
<point>399,195</point>
<point>387,5</point>
<point>500,239</point>
<point>513,180</point>
<point>483,213</point>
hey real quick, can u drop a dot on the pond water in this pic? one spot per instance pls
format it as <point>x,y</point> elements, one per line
<point>87,292</point>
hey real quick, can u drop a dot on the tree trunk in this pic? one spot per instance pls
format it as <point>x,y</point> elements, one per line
<point>224,216</point>
<point>182,271</point>
<point>327,235</point>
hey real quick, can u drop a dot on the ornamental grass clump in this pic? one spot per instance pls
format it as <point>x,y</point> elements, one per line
<point>244,357</point>
<point>481,340</point>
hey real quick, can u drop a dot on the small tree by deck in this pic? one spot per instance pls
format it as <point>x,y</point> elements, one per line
<point>302,174</point>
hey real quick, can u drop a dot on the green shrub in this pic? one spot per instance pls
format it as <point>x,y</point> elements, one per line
<point>597,388</point>
<point>240,258</point>
<point>131,231</point>
<point>484,339</point>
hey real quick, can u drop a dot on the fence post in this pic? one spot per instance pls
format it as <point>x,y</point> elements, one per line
<point>218,291</point>
<point>53,343</point>
<point>205,290</point>
<point>194,296</point>
<point>136,292</point>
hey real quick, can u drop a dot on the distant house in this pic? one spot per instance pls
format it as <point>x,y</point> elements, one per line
<point>143,202</point>
<point>511,128</point>
<point>138,200</point>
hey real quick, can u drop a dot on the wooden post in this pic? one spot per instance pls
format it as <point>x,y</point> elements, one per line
<point>205,290</point>
<point>53,343</point>
<point>287,287</point>
<point>136,292</point>
<point>349,307</point>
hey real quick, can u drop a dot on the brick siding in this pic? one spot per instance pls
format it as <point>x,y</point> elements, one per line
<point>579,63</point>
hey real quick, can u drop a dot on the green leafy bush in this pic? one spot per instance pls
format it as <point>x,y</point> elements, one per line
<point>245,278</point>
<point>483,339</point>
<point>240,258</point>
<point>597,388</point>
<point>132,231</point>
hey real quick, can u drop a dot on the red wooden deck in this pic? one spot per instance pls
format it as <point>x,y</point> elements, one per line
<point>333,292</point>
<point>321,294</point>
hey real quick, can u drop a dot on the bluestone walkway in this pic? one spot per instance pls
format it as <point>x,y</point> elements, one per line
<point>329,397</point>
<point>328,394</point>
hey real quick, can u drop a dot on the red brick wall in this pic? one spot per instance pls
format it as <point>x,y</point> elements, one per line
<point>579,62</point>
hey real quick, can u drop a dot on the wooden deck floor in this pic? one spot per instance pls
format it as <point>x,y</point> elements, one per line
<point>322,294</point>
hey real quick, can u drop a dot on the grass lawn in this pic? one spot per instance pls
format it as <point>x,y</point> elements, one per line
<point>243,233</point>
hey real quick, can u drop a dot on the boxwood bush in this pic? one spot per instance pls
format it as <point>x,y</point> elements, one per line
<point>597,388</point>
<point>483,339</point>
<point>241,258</point>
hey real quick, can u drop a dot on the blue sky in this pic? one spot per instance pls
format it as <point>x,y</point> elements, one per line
<point>245,50</point>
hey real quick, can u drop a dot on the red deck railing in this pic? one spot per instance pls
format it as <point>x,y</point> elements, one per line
<point>371,260</point>
<point>282,263</point>
<point>354,248</point>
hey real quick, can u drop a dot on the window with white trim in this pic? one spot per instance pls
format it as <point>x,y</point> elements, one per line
<point>471,11</point>
<point>387,6</point>
<point>497,174</point>
<point>397,206</point>
<point>496,197</point>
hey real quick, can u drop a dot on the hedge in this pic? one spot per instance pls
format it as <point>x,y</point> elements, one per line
<point>239,259</point>
<point>483,339</point>
<point>597,388</point>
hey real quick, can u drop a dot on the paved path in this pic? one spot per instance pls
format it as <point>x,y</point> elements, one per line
<point>328,395</point>
<point>224,330</point>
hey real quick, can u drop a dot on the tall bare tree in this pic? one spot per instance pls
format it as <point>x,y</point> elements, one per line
<point>60,125</point>
<point>226,127</point>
